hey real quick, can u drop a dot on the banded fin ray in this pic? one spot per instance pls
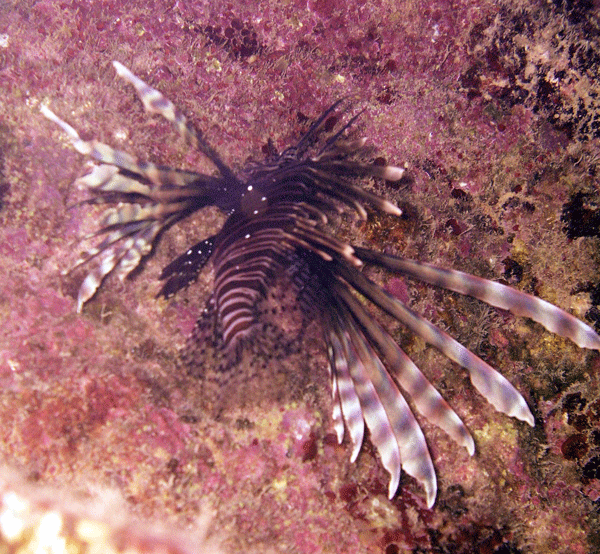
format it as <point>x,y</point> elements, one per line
<point>123,257</point>
<point>493,386</point>
<point>105,154</point>
<point>155,102</point>
<point>426,398</point>
<point>362,369</point>
<point>495,294</point>
<point>163,197</point>
<point>336,408</point>
<point>386,412</point>
<point>348,399</point>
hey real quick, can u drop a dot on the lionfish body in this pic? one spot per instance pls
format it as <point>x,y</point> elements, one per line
<point>277,215</point>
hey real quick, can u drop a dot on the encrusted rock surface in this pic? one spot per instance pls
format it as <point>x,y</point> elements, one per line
<point>494,110</point>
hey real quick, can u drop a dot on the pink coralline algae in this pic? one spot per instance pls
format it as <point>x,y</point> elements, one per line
<point>492,110</point>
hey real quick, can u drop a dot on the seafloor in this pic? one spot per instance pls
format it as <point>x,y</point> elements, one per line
<point>494,107</point>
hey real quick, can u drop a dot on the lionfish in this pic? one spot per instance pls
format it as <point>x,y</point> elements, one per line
<point>277,214</point>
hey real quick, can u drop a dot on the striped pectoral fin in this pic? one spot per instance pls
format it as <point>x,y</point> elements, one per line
<point>426,398</point>
<point>428,401</point>
<point>495,294</point>
<point>98,150</point>
<point>140,248</point>
<point>153,100</point>
<point>83,147</point>
<point>112,238</point>
<point>496,389</point>
<point>92,281</point>
<point>349,401</point>
<point>492,385</point>
<point>127,220</point>
<point>107,178</point>
<point>371,407</point>
<point>522,304</point>
<point>141,177</point>
<point>119,257</point>
<point>108,261</point>
<point>125,213</point>
<point>336,410</point>
<point>389,418</point>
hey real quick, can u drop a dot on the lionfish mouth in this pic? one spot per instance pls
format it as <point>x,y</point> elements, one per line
<point>276,222</point>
